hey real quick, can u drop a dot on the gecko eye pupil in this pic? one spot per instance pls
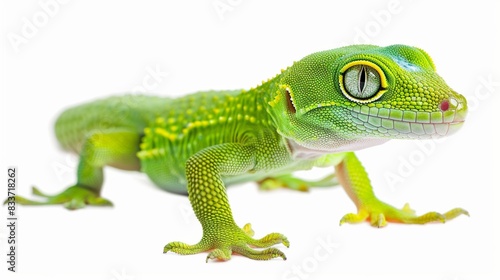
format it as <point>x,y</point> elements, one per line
<point>362,79</point>
<point>361,82</point>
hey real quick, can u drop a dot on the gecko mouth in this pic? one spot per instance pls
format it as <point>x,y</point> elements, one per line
<point>395,123</point>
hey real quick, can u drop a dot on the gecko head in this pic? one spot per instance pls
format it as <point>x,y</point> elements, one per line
<point>358,96</point>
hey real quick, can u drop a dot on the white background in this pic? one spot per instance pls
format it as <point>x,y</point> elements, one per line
<point>91,49</point>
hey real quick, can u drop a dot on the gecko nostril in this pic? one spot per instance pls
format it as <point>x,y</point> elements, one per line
<point>445,105</point>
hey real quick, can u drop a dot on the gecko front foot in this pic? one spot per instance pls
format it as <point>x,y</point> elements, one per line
<point>379,213</point>
<point>74,197</point>
<point>223,241</point>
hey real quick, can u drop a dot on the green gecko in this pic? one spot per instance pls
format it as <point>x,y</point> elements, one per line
<point>314,113</point>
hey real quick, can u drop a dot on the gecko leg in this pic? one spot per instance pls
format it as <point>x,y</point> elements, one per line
<point>353,177</point>
<point>117,148</point>
<point>207,193</point>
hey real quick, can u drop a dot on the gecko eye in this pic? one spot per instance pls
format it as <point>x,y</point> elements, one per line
<point>362,81</point>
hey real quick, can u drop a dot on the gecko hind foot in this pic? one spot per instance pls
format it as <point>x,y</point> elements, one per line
<point>290,182</point>
<point>74,197</point>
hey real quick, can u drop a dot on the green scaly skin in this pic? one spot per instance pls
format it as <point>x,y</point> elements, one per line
<point>314,113</point>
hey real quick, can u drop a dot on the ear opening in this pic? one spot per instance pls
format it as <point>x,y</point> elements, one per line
<point>289,102</point>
